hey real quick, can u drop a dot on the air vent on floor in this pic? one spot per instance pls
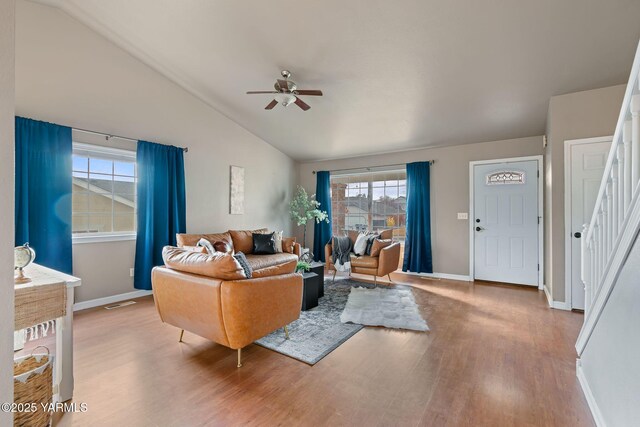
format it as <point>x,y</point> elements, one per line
<point>120,304</point>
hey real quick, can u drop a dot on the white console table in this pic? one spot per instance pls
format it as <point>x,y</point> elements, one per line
<point>63,360</point>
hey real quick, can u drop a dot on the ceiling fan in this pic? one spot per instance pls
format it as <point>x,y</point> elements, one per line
<point>286,93</point>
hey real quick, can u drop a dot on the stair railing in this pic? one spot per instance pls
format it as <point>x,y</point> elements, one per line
<point>615,222</point>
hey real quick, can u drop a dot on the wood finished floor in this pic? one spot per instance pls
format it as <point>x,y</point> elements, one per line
<point>496,355</point>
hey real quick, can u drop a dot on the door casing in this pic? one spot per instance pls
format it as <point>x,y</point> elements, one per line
<point>539,159</point>
<point>568,268</point>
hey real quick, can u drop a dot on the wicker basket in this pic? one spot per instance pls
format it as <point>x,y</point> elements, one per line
<point>32,387</point>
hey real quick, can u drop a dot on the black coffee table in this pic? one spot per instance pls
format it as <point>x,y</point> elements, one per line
<point>312,286</point>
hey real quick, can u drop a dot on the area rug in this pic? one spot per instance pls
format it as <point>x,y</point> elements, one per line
<point>391,308</point>
<point>318,331</point>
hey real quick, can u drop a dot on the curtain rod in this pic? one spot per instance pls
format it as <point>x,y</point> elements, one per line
<point>371,167</point>
<point>108,136</point>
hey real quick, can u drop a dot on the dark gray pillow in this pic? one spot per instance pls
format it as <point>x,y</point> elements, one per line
<point>242,260</point>
<point>264,244</point>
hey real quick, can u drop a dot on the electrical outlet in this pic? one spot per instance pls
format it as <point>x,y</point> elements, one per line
<point>131,270</point>
<point>463,215</point>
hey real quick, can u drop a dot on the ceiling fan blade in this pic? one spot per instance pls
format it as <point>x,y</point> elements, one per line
<point>300,103</point>
<point>283,85</point>
<point>271,105</point>
<point>308,92</point>
<point>253,92</point>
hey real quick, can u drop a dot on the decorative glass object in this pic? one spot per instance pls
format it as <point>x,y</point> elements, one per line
<point>505,177</point>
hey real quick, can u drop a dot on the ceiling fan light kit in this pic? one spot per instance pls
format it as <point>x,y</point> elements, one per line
<point>287,92</point>
<point>285,99</point>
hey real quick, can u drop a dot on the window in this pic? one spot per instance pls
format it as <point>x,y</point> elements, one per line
<point>505,177</point>
<point>104,191</point>
<point>372,201</point>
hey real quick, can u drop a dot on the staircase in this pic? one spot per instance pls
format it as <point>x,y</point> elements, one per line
<point>610,259</point>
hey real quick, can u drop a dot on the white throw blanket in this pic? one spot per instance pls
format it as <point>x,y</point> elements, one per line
<point>343,267</point>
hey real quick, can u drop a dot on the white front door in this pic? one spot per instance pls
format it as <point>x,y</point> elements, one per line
<point>587,163</point>
<point>505,222</point>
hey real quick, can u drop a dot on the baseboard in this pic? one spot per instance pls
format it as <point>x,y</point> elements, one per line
<point>109,300</point>
<point>447,276</point>
<point>591,401</point>
<point>549,298</point>
<point>558,305</point>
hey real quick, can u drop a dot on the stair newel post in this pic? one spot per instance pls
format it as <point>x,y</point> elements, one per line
<point>592,267</point>
<point>585,266</point>
<point>610,217</point>
<point>620,169</point>
<point>635,142</point>
<point>605,225</point>
<point>600,245</point>
<point>613,207</point>
<point>596,252</point>
<point>626,140</point>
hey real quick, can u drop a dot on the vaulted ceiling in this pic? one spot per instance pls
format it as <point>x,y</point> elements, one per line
<point>396,75</point>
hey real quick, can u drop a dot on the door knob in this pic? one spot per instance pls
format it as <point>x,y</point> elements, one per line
<point>577,234</point>
<point>479,228</point>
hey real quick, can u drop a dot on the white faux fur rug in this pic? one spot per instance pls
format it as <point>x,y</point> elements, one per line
<point>391,308</point>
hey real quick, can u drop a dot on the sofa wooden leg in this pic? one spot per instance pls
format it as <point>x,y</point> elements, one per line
<point>181,335</point>
<point>334,276</point>
<point>389,276</point>
<point>286,332</point>
<point>375,280</point>
<point>239,358</point>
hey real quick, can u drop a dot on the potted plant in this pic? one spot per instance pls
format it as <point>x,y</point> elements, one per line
<point>304,208</point>
<point>303,267</point>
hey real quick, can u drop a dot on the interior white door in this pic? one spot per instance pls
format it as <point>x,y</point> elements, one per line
<point>506,222</point>
<point>587,164</point>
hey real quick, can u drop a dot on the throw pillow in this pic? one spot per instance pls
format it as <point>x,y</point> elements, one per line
<point>277,237</point>
<point>264,244</point>
<point>288,244</point>
<point>378,245</point>
<point>222,246</point>
<point>370,238</point>
<point>242,260</point>
<point>361,244</point>
<point>242,240</point>
<point>207,245</point>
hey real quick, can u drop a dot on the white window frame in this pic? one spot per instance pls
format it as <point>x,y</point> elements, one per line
<point>81,238</point>
<point>368,172</point>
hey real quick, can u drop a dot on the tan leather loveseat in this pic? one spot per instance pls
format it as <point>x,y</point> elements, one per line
<point>382,264</point>
<point>210,295</point>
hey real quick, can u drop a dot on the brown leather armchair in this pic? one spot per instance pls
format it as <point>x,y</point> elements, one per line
<point>377,266</point>
<point>210,296</point>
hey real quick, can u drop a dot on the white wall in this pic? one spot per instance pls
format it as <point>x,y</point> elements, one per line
<point>449,190</point>
<point>611,359</point>
<point>7,9</point>
<point>68,74</point>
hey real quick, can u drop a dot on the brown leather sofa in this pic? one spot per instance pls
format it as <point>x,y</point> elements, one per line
<point>377,266</point>
<point>239,240</point>
<point>210,295</point>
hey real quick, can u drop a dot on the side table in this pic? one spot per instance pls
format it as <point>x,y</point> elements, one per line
<point>310,292</point>
<point>318,268</point>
